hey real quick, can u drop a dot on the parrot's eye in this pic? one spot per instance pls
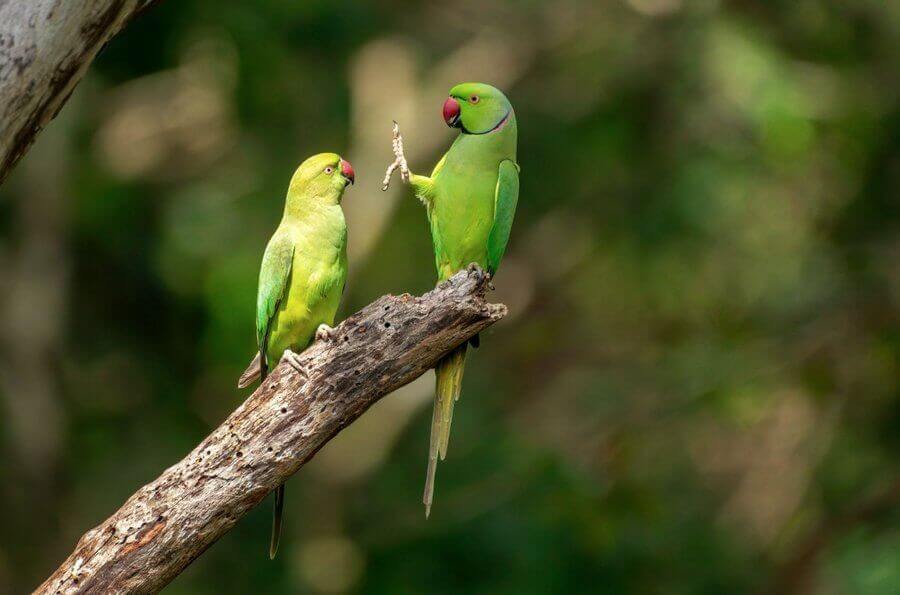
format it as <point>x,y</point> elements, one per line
<point>474,99</point>
<point>329,170</point>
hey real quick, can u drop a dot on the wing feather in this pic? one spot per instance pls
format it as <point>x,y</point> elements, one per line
<point>274,276</point>
<point>506,197</point>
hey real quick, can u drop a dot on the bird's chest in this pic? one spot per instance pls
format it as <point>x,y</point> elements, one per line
<point>463,212</point>
<point>317,278</point>
<point>319,269</point>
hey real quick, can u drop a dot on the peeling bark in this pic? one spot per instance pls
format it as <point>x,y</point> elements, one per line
<point>169,522</point>
<point>45,48</point>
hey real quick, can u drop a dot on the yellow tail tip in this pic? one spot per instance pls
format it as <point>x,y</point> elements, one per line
<point>273,547</point>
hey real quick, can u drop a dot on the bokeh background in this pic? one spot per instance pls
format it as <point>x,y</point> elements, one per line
<point>696,390</point>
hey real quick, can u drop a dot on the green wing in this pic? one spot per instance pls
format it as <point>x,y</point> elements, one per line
<point>506,197</point>
<point>273,282</point>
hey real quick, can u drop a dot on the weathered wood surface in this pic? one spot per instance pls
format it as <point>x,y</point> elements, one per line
<point>166,524</point>
<point>45,48</point>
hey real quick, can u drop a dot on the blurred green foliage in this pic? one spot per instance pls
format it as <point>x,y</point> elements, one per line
<point>696,390</point>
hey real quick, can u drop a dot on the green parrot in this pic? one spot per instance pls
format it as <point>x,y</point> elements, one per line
<point>302,277</point>
<point>470,200</point>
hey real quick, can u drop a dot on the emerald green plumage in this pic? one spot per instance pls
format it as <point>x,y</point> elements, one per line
<point>471,200</point>
<point>303,272</point>
<point>506,200</point>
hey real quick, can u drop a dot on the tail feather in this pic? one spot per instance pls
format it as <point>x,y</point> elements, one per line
<point>432,457</point>
<point>449,382</point>
<point>449,372</point>
<point>251,373</point>
<point>277,519</point>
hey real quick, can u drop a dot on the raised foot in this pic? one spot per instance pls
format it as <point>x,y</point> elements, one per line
<point>324,333</point>
<point>399,160</point>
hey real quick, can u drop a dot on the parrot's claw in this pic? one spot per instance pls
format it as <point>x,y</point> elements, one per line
<point>324,333</point>
<point>294,361</point>
<point>399,160</point>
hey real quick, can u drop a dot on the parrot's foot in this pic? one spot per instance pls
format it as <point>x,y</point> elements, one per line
<point>474,267</point>
<point>294,360</point>
<point>399,160</point>
<point>324,333</point>
<point>489,275</point>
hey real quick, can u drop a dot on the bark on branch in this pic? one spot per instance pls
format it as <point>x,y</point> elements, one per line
<point>168,523</point>
<point>45,48</point>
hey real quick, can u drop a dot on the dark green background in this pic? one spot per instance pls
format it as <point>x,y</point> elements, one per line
<point>696,390</point>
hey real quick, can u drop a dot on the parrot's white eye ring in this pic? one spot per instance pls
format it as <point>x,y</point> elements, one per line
<point>474,99</point>
<point>329,170</point>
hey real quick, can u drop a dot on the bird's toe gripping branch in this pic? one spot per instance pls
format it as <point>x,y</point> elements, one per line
<point>474,267</point>
<point>399,160</point>
<point>324,333</point>
<point>294,360</point>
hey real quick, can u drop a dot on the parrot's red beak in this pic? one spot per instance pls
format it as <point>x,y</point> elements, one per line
<point>347,171</point>
<point>451,112</point>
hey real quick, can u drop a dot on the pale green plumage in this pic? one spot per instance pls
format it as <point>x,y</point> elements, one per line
<point>307,257</point>
<point>303,272</point>
<point>470,199</point>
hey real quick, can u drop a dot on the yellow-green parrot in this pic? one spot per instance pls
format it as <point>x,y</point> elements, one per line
<point>470,200</point>
<point>302,276</point>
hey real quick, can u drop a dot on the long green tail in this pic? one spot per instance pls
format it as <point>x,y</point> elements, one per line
<point>449,372</point>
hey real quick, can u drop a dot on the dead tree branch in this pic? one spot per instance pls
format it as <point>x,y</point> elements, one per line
<point>45,48</point>
<point>169,522</point>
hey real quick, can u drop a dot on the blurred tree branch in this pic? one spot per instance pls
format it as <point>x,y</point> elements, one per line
<point>45,48</point>
<point>168,523</point>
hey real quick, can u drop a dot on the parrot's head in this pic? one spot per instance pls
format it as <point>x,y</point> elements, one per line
<point>476,108</point>
<point>324,177</point>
